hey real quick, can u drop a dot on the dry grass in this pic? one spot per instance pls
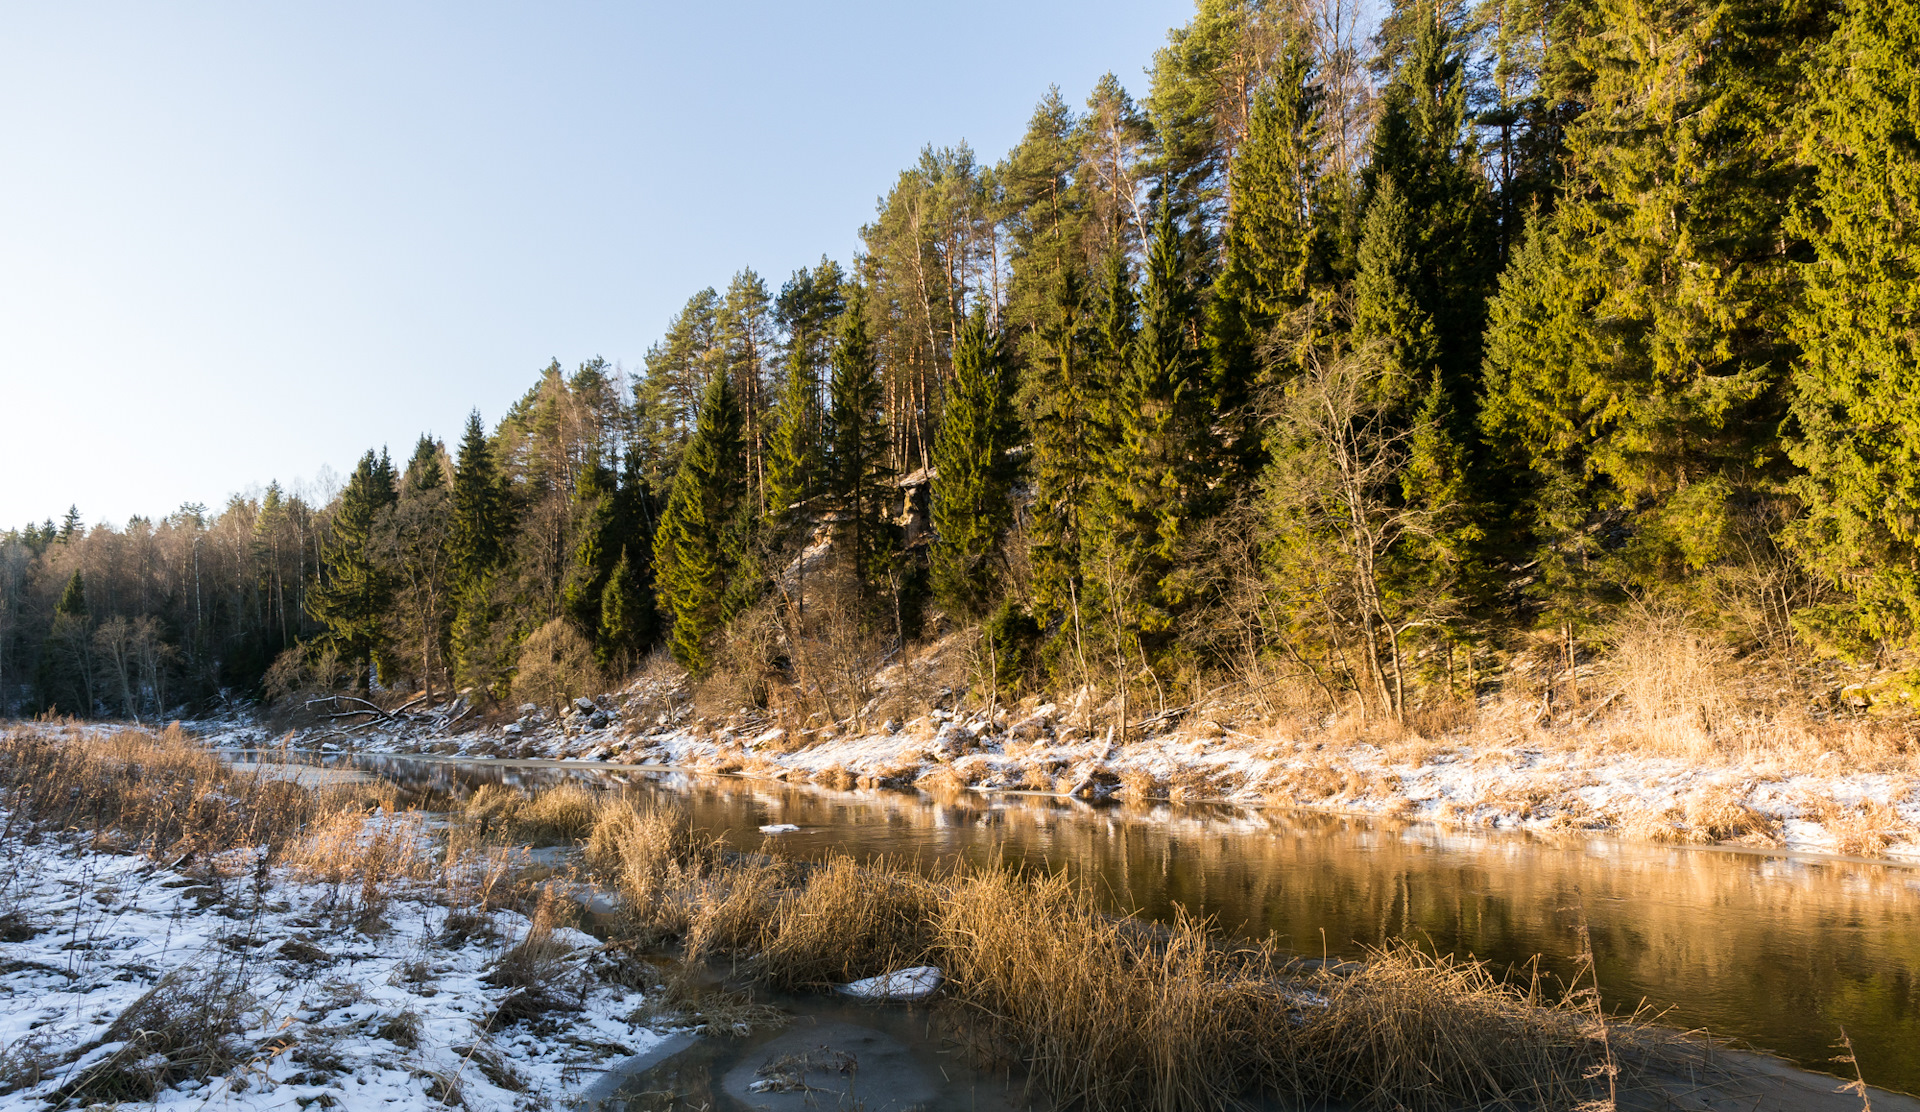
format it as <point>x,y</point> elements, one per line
<point>656,861</point>
<point>364,856</point>
<point>156,793</point>
<point>538,961</point>
<point>1138,785</point>
<point>1862,830</point>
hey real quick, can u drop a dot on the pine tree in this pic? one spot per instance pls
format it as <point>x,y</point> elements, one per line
<point>352,597</point>
<point>857,451</point>
<point>744,339</point>
<point>972,497</point>
<point>1856,390</point>
<point>699,549</point>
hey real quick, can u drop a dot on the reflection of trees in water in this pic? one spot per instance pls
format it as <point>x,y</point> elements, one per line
<point>1778,950</point>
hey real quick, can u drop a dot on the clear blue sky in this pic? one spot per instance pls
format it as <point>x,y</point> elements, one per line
<point>245,241</point>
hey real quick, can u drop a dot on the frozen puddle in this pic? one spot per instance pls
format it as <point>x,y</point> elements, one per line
<point>844,1056</point>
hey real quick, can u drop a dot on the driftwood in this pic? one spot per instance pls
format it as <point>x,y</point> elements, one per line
<point>403,717</point>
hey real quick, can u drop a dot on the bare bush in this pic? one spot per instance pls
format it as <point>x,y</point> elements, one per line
<point>555,666</point>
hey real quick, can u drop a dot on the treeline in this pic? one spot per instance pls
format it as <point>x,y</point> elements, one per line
<point>1333,363</point>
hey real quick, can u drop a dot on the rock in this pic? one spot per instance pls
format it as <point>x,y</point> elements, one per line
<point>584,705</point>
<point>529,708</point>
<point>915,983</point>
<point>598,720</point>
<point>952,741</point>
<point>513,729</point>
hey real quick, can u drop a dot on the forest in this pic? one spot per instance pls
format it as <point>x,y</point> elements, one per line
<point>1342,364</point>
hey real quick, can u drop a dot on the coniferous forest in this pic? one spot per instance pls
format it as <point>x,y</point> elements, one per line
<point>1328,359</point>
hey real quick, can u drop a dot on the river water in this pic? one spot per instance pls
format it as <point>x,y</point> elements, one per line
<point>1778,951</point>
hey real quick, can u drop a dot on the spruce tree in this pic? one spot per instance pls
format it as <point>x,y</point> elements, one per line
<point>479,503</point>
<point>478,544</point>
<point>597,545</point>
<point>857,469</point>
<point>73,598</point>
<point>1856,390</point>
<point>1423,159</point>
<point>972,497</point>
<point>1274,249</point>
<point>1064,396</point>
<point>809,309</point>
<point>699,547</point>
<point>1636,355</point>
<point>1386,306</point>
<point>796,456</point>
<point>626,615</point>
<point>352,596</point>
<point>1150,490</point>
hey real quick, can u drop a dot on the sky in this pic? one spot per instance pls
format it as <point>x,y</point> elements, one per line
<point>242,242</point>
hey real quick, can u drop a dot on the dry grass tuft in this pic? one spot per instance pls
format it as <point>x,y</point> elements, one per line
<point>656,861</point>
<point>186,1026</point>
<point>848,921</point>
<point>560,814</point>
<point>1674,679</point>
<point>1138,785</point>
<point>835,776</point>
<point>1719,813</point>
<point>539,960</point>
<point>1863,830</point>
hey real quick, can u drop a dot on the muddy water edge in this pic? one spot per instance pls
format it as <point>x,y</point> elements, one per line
<point>1775,950</point>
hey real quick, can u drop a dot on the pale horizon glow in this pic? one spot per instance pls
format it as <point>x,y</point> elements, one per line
<point>246,243</point>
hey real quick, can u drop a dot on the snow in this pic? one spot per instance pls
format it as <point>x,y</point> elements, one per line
<point>321,1004</point>
<point>916,983</point>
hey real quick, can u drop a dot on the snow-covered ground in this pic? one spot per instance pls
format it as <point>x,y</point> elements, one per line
<point>134,975</point>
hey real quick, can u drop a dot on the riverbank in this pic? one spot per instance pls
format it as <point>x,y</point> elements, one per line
<point>1770,775</point>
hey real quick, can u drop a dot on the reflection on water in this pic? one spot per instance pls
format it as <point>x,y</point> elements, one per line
<point>1779,951</point>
